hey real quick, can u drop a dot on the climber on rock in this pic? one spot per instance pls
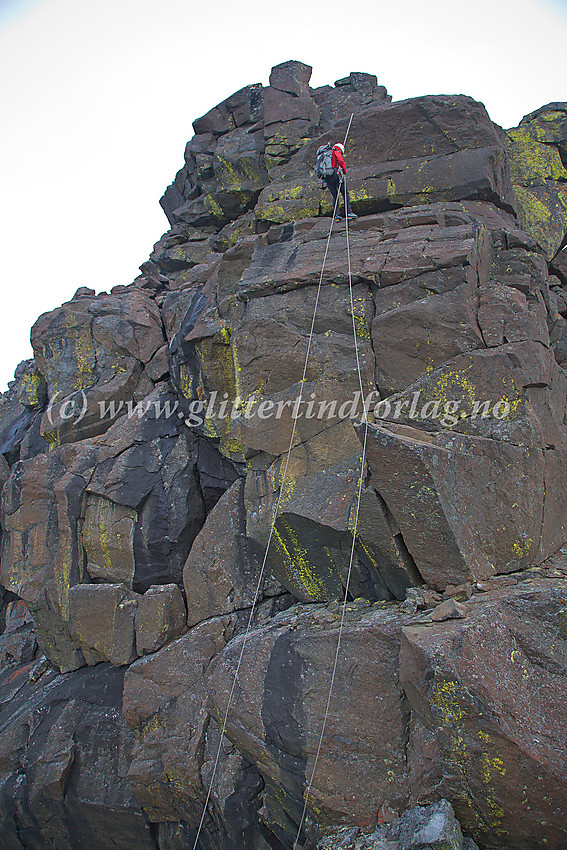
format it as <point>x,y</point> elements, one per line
<point>336,179</point>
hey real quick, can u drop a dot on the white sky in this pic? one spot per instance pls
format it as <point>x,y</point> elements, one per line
<point>97,99</point>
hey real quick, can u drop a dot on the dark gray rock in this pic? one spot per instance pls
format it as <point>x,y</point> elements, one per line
<point>18,643</point>
<point>432,827</point>
<point>64,756</point>
<point>19,408</point>
<point>242,107</point>
<point>292,77</point>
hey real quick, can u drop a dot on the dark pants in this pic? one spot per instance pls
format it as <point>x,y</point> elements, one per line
<point>333,186</point>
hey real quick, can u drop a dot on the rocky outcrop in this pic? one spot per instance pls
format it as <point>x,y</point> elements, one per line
<point>539,173</point>
<point>172,578</point>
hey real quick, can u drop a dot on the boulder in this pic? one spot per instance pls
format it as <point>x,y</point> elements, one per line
<point>560,264</point>
<point>432,827</point>
<point>490,691</point>
<point>150,470</point>
<point>239,171</point>
<point>243,107</point>
<point>221,573</point>
<point>20,408</point>
<point>424,479</point>
<point>435,125</point>
<point>292,77</point>
<point>4,471</point>
<point>311,548</point>
<point>548,124</point>
<point>291,115</point>
<point>102,619</point>
<point>92,352</point>
<point>41,552</point>
<point>108,540</point>
<point>18,644</point>
<point>349,95</point>
<point>160,617</point>
<point>412,340</point>
<point>448,610</point>
<point>279,705</point>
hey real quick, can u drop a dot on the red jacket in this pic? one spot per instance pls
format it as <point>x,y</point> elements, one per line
<point>337,160</point>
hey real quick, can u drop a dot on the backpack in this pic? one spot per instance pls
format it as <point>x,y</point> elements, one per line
<point>323,167</point>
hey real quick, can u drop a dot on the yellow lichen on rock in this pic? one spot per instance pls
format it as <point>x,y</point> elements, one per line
<point>538,181</point>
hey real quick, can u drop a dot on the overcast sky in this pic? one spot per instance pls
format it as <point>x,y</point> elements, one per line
<point>97,99</point>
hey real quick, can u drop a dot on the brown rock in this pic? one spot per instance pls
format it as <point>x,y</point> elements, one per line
<point>242,107</point>
<point>18,644</point>
<point>460,592</point>
<point>82,374</point>
<point>448,610</point>
<point>150,470</point>
<point>412,340</point>
<point>41,507</point>
<point>506,315</point>
<point>164,700</point>
<point>19,410</point>
<point>468,174</point>
<point>454,123</point>
<point>560,263</point>
<point>131,502</point>
<point>277,718</point>
<point>285,265</point>
<point>31,389</point>
<point>69,769</point>
<point>221,574</point>
<point>4,471</point>
<point>108,540</point>
<point>538,177</point>
<point>430,597</point>
<point>158,367</point>
<point>102,619</point>
<point>282,107</point>
<point>311,546</point>
<point>491,690</point>
<point>160,617</point>
<point>496,583</point>
<point>487,393</point>
<point>424,481</point>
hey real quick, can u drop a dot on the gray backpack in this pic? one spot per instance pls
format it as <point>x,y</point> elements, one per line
<point>323,167</point>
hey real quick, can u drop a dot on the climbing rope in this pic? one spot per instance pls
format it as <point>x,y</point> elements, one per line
<point>276,511</point>
<point>352,550</point>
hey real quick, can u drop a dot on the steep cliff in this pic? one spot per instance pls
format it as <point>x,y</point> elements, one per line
<point>169,567</point>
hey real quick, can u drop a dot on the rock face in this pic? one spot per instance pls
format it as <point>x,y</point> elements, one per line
<point>171,572</point>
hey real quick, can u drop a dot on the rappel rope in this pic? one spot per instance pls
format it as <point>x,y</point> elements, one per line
<point>275,516</point>
<point>352,550</point>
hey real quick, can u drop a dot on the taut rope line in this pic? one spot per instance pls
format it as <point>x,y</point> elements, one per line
<point>352,550</point>
<point>273,524</point>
